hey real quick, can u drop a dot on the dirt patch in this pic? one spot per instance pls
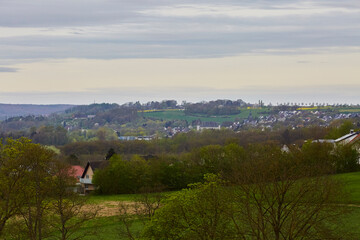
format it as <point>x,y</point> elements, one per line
<point>111,208</point>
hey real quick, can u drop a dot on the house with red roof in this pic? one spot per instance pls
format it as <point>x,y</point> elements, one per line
<point>76,171</point>
<point>88,173</point>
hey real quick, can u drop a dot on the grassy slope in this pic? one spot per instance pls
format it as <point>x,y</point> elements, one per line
<point>352,186</point>
<point>108,226</point>
<point>180,115</point>
<point>169,115</point>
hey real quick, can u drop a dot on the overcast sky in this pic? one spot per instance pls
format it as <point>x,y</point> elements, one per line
<point>81,51</point>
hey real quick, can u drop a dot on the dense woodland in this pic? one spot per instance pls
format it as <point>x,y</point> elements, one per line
<point>218,107</point>
<point>176,171</point>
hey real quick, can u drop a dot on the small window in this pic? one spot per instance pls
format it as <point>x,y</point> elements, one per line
<point>87,177</point>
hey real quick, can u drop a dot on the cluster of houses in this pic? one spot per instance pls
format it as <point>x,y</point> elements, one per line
<point>296,119</point>
<point>293,119</point>
<point>131,138</point>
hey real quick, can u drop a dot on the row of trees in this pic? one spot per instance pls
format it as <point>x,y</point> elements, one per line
<point>37,200</point>
<point>219,107</point>
<point>177,171</point>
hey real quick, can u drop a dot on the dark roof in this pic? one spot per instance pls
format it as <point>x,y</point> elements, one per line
<point>227,124</point>
<point>95,165</point>
<point>209,124</point>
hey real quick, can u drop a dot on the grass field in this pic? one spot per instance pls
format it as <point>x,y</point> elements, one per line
<point>169,115</point>
<point>350,110</point>
<point>352,186</point>
<point>339,109</point>
<point>108,227</point>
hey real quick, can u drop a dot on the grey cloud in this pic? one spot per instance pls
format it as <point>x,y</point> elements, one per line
<point>172,46</point>
<point>19,13</point>
<point>121,29</point>
<point>8,69</point>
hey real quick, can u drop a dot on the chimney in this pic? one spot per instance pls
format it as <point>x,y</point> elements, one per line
<point>351,130</point>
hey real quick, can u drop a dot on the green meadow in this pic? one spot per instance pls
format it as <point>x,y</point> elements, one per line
<point>350,110</point>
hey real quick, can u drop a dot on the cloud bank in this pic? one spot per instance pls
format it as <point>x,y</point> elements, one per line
<point>109,29</point>
<point>65,50</point>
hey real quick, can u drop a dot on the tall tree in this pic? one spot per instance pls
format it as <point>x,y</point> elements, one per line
<point>37,199</point>
<point>12,173</point>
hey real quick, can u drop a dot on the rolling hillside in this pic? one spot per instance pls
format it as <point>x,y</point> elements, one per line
<point>12,110</point>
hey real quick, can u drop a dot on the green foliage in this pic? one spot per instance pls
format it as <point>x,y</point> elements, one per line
<point>122,176</point>
<point>346,159</point>
<point>36,196</point>
<point>196,213</point>
<point>175,172</point>
<point>91,109</point>
<point>212,108</point>
<point>340,130</point>
<point>12,174</point>
<point>50,135</point>
<point>314,154</point>
<point>272,200</point>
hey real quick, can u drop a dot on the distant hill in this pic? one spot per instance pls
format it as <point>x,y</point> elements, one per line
<point>12,110</point>
<point>92,109</point>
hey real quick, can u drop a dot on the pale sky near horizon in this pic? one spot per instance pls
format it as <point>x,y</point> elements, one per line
<point>77,51</point>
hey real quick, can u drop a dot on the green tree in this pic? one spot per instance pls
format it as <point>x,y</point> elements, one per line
<point>12,174</point>
<point>39,186</point>
<point>122,176</point>
<point>36,193</point>
<point>337,130</point>
<point>200,212</point>
<point>346,158</point>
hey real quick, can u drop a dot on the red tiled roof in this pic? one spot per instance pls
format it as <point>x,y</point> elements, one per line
<point>355,138</point>
<point>76,171</point>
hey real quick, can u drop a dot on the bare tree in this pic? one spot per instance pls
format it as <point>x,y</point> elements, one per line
<point>277,199</point>
<point>142,210</point>
<point>68,209</point>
